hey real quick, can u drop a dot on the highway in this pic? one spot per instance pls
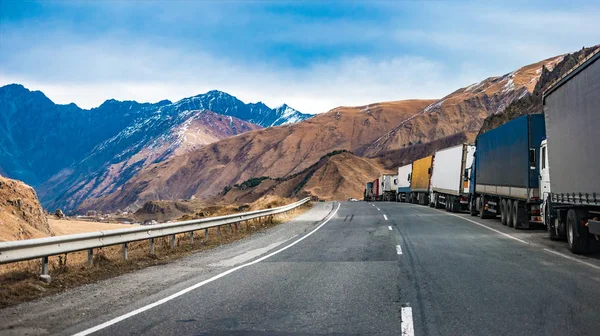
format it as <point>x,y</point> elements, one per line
<point>349,268</point>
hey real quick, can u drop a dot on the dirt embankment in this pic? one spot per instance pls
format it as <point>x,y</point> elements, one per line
<point>21,214</point>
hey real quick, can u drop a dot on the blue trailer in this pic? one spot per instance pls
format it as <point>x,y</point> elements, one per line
<point>505,172</point>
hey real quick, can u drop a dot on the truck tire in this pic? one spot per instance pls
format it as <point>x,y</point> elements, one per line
<point>509,213</point>
<point>503,218</point>
<point>453,206</point>
<point>550,229</point>
<point>436,201</point>
<point>577,237</point>
<point>515,214</point>
<point>472,208</point>
<point>482,212</point>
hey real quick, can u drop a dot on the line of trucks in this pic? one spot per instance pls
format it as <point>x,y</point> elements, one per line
<point>538,168</point>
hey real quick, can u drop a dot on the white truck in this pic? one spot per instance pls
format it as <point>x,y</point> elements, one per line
<point>450,178</point>
<point>570,158</point>
<point>403,186</point>
<point>389,184</point>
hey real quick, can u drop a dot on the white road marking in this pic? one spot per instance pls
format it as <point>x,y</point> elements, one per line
<point>398,249</point>
<point>390,227</point>
<point>378,209</point>
<point>198,285</point>
<point>489,228</point>
<point>407,327</point>
<point>571,258</point>
<point>384,216</point>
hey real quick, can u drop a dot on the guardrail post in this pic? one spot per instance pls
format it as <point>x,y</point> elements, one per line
<point>44,265</point>
<point>229,227</point>
<point>206,234</point>
<point>90,257</point>
<point>219,231</point>
<point>173,241</point>
<point>192,238</point>
<point>124,251</point>
<point>152,246</point>
<point>45,276</point>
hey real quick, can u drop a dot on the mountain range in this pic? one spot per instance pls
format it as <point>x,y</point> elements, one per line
<point>129,153</point>
<point>68,153</point>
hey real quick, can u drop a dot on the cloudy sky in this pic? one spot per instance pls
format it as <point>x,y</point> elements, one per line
<point>313,55</point>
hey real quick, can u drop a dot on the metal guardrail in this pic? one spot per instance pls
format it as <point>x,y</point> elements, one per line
<point>14,251</point>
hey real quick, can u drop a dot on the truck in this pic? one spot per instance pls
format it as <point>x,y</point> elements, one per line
<point>505,172</point>
<point>570,158</point>
<point>388,187</point>
<point>449,180</point>
<point>368,191</point>
<point>421,180</point>
<point>403,188</point>
<point>376,190</point>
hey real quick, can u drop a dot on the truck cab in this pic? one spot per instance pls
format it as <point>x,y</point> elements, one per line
<point>544,180</point>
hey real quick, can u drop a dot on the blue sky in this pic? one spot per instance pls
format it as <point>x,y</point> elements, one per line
<point>313,55</point>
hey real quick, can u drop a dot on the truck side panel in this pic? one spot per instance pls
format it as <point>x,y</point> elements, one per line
<point>447,171</point>
<point>503,153</point>
<point>403,178</point>
<point>572,124</point>
<point>420,174</point>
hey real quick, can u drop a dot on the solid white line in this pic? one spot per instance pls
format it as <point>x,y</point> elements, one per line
<point>407,327</point>
<point>571,258</point>
<point>390,227</point>
<point>384,216</point>
<point>489,228</point>
<point>378,209</point>
<point>200,284</point>
<point>398,249</point>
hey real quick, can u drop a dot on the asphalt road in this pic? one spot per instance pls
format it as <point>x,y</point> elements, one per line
<point>380,269</point>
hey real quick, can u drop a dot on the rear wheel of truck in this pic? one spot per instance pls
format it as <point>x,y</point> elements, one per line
<point>515,214</point>
<point>550,226</point>
<point>509,213</point>
<point>577,236</point>
<point>482,212</point>
<point>472,208</point>
<point>503,218</point>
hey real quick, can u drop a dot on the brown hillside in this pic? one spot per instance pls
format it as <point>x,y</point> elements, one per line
<point>464,110</point>
<point>21,214</point>
<point>333,177</point>
<point>275,152</point>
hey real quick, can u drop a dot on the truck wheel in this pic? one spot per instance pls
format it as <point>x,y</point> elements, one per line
<point>482,211</point>
<point>503,211</point>
<point>515,214</point>
<point>453,204</point>
<point>550,226</point>
<point>472,208</point>
<point>509,213</point>
<point>576,235</point>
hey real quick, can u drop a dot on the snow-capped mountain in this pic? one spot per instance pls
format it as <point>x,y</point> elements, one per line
<point>287,115</point>
<point>42,143</point>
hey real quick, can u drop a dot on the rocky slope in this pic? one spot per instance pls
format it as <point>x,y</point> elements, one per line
<point>275,152</point>
<point>336,176</point>
<point>532,102</point>
<point>464,110</point>
<point>21,214</point>
<point>117,159</point>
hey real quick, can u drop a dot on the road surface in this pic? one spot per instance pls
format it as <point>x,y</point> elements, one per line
<point>363,269</point>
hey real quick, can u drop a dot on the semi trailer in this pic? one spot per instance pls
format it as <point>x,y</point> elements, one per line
<point>421,180</point>
<point>388,187</point>
<point>570,158</point>
<point>450,178</point>
<point>403,189</point>
<point>505,172</point>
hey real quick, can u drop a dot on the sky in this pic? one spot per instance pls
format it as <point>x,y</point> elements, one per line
<point>312,55</point>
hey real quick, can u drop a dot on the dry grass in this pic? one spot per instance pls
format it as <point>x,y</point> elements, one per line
<point>61,227</point>
<point>19,282</point>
